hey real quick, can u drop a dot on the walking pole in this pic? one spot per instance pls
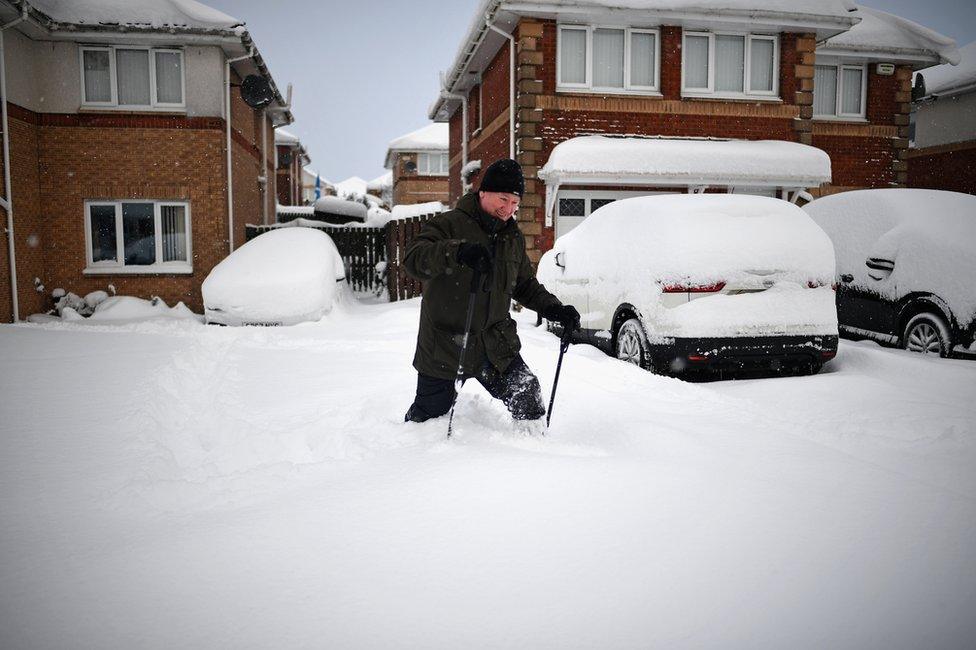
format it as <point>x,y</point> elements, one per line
<point>563,346</point>
<point>459,377</point>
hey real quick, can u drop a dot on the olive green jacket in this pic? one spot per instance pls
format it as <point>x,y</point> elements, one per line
<point>432,258</point>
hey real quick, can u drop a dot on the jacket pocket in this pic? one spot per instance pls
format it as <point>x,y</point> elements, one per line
<point>502,339</point>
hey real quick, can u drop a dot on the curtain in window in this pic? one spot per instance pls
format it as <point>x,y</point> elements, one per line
<point>729,62</point>
<point>138,235</point>
<point>761,65</point>
<point>572,56</point>
<point>850,102</point>
<point>103,240</point>
<point>696,62</point>
<point>173,219</point>
<point>444,163</point>
<point>132,72</point>
<point>169,85</point>
<point>642,51</point>
<point>825,90</point>
<point>98,77</point>
<point>608,58</point>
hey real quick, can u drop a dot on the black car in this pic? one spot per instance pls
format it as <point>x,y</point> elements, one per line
<point>906,265</point>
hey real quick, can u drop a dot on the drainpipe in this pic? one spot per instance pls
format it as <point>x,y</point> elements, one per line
<point>7,203</point>
<point>464,122</point>
<point>230,174</point>
<point>264,165</point>
<point>511,85</point>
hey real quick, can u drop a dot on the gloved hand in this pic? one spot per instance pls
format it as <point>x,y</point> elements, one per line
<point>475,256</point>
<point>565,315</point>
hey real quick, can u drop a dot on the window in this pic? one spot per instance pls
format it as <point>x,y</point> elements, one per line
<point>729,65</point>
<point>574,206</point>
<point>432,164</point>
<point>138,236</point>
<point>839,91</point>
<point>138,77</point>
<point>607,58</point>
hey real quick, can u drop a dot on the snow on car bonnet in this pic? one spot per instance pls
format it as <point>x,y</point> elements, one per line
<point>282,276</point>
<point>697,239</point>
<point>928,235</point>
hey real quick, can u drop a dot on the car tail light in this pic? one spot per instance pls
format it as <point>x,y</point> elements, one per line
<point>684,288</point>
<point>697,357</point>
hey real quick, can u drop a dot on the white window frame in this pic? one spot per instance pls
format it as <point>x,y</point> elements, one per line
<point>442,162</point>
<point>119,267</point>
<point>628,88</point>
<point>153,104</point>
<point>747,92</point>
<point>840,67</point>
<point>588,195</point>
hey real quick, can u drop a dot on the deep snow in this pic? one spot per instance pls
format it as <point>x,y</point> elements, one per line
<point>168,484</point>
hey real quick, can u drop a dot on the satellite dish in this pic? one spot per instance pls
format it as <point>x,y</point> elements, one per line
<point>284,159</point>
<point>256,91</point>
<point>918,90</point>
<point>410,166</point>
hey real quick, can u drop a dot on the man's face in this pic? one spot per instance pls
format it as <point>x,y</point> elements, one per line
<point>500,205</point>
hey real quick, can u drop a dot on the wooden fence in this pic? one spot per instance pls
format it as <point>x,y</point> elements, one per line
<point>373,257</point>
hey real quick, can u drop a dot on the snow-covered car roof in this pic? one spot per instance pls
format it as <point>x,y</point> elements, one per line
<point>701,238</point>
<point>284,276</point>
<point>929,235</point>
<point>338,205</point>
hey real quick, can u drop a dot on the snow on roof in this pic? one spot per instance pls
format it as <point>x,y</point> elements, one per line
<point>889,35</point>
<point>826,17</point>
<point>283,136</point>
<point>946,78</point>
<point>381,181</point>
<point>137,13</point>
<point>417,209</point>
<point>352,185</point>
<point>433,137</point>
<point>336,205</point>
<point>686,161</point>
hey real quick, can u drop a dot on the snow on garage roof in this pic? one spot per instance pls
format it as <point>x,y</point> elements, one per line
<point>947,79</point>
<point>685,161</point>
<point>891,36</point>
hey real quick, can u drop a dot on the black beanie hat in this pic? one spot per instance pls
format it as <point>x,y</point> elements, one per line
<point>503,175</point>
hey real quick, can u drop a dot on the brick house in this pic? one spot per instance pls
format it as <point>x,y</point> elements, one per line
<point>120,150</point>
<point>419,163</point>
<point>534,76</point>
<point>943,155</point>
<point>292,158</point>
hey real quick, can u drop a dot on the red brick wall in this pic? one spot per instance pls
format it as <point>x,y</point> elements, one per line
<point>858,161</point>
<point>671,62</point>
<point>948,167</point>
<point>496,87</point>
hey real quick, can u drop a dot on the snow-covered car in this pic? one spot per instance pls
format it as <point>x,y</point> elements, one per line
<point>282,277</point>
<point>906,263</point>
<point>681,283</point>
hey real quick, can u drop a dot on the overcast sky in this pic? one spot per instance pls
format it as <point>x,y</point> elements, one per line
<point>365,72</point>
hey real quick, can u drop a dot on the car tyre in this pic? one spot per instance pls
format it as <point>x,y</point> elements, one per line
<point>631,344</point>
<point>926,334</point>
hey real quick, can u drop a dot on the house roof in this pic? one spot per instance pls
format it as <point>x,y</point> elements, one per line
<point>146,22</point>
<point>884,35</point>
<point>948,79</point>
<point>433,137</point>
<point>598,159</point>
<point>283,136</point>
<point>480,44</point>
<point>380,182</point>
<point>352,185</point>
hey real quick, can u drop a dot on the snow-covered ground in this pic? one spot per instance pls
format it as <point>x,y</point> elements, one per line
<point>168,484</point>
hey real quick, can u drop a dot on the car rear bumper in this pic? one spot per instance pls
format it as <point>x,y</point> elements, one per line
<point>765,353</point>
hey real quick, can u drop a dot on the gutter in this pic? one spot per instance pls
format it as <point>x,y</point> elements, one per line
<point>230,173</point>
<point>7,202</point>
<point>511,85</point>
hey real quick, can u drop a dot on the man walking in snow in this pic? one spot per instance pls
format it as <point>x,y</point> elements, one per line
<point>479,234</point>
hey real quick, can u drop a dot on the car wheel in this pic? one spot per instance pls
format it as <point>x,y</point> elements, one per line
<point>926,334</point>
<point>632,345</point>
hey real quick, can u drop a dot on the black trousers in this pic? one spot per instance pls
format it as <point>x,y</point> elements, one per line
<point>517,388</point>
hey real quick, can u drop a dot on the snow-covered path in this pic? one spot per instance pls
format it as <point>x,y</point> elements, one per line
<point>173,485</point>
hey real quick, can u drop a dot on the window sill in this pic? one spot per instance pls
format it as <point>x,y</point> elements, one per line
<point>181,269</point>
<point>609,92</point>
<point>769,99</point>
<point>134,110</point>
<point>849,120</point>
